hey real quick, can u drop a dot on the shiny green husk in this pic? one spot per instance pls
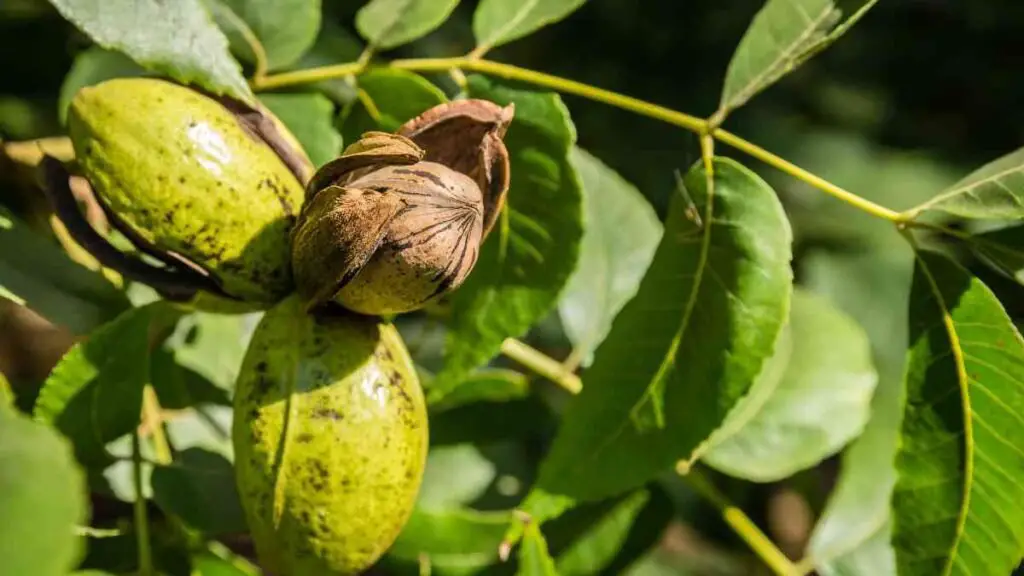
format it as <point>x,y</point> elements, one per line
<point>330,439</point>
<point>177,169</point>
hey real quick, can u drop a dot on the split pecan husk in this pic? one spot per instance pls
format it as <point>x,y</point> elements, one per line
<point>397,220</point>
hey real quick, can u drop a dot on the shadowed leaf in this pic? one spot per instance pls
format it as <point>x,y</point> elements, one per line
<point>526,262</point>
<point>310,117</point>
<point>36,272</point>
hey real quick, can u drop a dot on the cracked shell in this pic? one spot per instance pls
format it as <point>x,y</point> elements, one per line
<point>179,172</point>
<point>330,439</point>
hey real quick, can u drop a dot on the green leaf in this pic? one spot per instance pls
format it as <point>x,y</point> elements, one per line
<point>1002,249</point>
<point>783,35</point>
<point>611,263</point>
<point>387,24</point>
<point>956,504</point>
<point>285,28</point>
<point>526,262</point>
<point>818,404</point>
<point>498,22</point>
<point>388,99</point>
<point>457,541</point>
<point>177,38</point>
<point>92,67</point>
<point>333,44</point>
<point>455,475</point>
<point>488,385</point>
<point>994,191</point>
<point>199,487</point>
<point>852,535</point>
<point>534,559</point>
<point>212,345</point>
<point>686,348</point>
<point>36,272</point>
<point>598,544</point>
<point>487,421</point>
<point>42,499</point>
<point>94,394</point>
<point>310,117</point>
<point>180,388</point>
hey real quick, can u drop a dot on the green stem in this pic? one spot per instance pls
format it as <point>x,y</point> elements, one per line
<point>307,76</point>
<point>805,176</point>
<point>510,72</point>
<point>542,364</point>
<point>151,415</point>
<point>141,520</point>
<point>635,105</point>
<point>743,526</point>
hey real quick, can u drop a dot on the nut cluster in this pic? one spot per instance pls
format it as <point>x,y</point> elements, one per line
<point>222,195</point>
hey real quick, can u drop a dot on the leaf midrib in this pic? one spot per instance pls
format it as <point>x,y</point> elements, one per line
<point>669,360</point>
<point>964,189</point>
<point>962,380</point>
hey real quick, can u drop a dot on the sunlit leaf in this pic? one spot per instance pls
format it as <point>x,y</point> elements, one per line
<point>956,504</point>
<point>389,23</point>
<point>199,488</point>
<point>285,28</point>
<point>310,117</point>
<point>818,403</point>
<point>498,22</point>
<point>686,348</point>
<point>526,262</point>
<point>534,559</point>
<point>1002,249</point>
<point>782,36</point>
<point>176,38</point>
<point>619,239</point>
<point>42,499</point>
<point>852,535</point>
<point>38,273</point>
<point>994,191</point>
<point>92,67</point>
<point>94,394</point>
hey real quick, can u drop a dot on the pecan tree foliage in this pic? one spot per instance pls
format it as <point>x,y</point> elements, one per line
<point>455,225</point>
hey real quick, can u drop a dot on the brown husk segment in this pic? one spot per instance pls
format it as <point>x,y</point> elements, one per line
<point>466,135</point>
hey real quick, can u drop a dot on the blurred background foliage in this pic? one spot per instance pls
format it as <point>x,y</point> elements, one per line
<point>915,96</point>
